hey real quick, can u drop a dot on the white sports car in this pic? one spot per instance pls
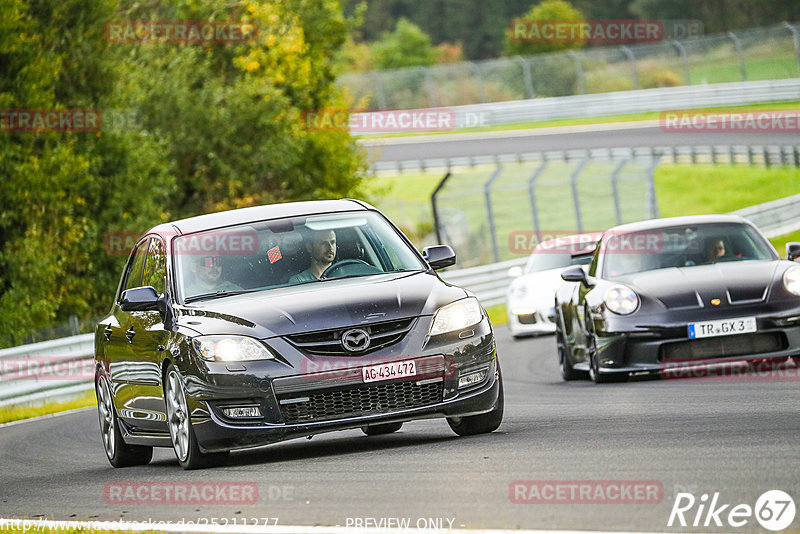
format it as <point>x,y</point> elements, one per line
<point>530,297</point>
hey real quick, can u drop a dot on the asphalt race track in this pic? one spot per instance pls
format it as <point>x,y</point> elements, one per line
<point>630,134</point>
<point>739,438</point>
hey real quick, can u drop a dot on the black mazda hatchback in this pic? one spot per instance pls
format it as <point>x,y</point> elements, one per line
<point>252,326</point>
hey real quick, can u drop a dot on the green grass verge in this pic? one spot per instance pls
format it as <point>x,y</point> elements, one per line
<point>497,314</point>
<point>780,241</point>
<point>26,412</point>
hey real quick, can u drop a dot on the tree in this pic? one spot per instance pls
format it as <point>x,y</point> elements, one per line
<point>406,46</point>
<point>546,11</point>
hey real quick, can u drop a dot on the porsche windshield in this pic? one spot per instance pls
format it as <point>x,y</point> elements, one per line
<point>682,246</point>
<point>300,250</point>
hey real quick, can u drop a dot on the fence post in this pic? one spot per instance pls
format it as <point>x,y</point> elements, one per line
<point>652,202</point>
<point>487,192</point>
<point>436,220</point>
<point>632,59</point>
<point>379,90</point>
<point>476,71</point>
<point>738,45</point>
<point>527,79</point>
<point>796,40</point>
<point>687,75</point>
<point>615,189</point>
<point>428,81</point>
<point>532,194</point>
<point>578,72</point>
<point>574,183</point>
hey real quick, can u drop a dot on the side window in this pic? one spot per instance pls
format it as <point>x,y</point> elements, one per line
<point>133,278</point>
<point>155,268</point>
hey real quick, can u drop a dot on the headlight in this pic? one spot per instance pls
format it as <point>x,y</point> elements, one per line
<point>455,316</point>
<point>791,280</point>
<point>230,349</point>
<point>621,300</point>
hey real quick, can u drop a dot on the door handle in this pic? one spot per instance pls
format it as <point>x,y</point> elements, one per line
<point>129,333</point>
<point>107,332</point>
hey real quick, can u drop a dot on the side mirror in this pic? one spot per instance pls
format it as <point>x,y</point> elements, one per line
<point>439,256</point>
<point>574,274</point>
<point>515,272</point>
<point>139,299</point>
<point>792,250</point>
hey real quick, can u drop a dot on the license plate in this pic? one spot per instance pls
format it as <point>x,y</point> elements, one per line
<point>722,327</point>
<point>388,371</point>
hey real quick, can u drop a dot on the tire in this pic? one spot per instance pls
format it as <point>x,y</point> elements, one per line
<point>119,453</point>
<point>564,363</point>
<point>595,375</point>
<point>184,440</point>
<point>377,430</point>
<point>482,423</point>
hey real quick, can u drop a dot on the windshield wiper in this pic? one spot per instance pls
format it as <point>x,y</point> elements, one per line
<point>217,294</point>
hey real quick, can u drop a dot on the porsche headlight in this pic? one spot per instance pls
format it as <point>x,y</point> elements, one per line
<point>791,280</point>
<point>621,300</point>
<point>518,291</point>
<point>230,349</point>
<point>460,314</point>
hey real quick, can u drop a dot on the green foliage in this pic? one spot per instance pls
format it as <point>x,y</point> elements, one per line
<point>406,46</point>
<point>548,10</point>
<point>217,126</point>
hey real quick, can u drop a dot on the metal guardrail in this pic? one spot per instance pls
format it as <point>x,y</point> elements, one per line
<point>620,103</point>
<point>32,373</point>
<point>488,282</point>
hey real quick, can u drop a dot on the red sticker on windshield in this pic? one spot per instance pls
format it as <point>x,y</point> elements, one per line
<point>274,254</point>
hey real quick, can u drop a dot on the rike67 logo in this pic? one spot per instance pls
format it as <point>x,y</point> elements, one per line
<point>774,510</point>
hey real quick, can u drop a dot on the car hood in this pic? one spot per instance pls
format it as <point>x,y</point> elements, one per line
<point>742,282</point>
<point>539,286</point>
<point>322,306</point>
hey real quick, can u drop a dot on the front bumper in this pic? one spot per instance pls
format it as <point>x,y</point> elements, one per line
<point>541,321</point>
<point>214,434</point>
<point>665,351</point>
<point>308,394</point>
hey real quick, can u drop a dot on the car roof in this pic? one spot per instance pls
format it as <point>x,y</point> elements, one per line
<point>259,213</point>
<point>677,221</point>
<point>573,243</point>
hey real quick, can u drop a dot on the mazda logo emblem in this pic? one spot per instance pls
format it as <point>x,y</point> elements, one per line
<point>355,340</point>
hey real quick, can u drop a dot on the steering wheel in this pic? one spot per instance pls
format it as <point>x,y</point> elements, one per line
<point>343,263</point>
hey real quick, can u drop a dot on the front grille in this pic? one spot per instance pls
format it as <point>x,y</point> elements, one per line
<point>527,318</point>
<point>366,400</point>
<point>329,342</point>
<point>723,347</point>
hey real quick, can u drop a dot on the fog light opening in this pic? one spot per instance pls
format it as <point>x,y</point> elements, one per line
<point>242,412</point>
<point>470,379</point>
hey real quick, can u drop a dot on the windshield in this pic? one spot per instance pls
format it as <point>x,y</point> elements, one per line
<point>285,252</point>
<point>681,246</point>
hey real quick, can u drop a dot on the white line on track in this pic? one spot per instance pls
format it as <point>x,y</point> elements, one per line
<point>46,416</point>
<point>34,525</point>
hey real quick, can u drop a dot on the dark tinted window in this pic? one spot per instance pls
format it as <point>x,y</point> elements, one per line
<point>155,268</point>
<point>133,277</point>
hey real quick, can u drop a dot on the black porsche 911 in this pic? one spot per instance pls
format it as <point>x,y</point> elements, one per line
<point>686,291</point>
<point>247,327</point>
